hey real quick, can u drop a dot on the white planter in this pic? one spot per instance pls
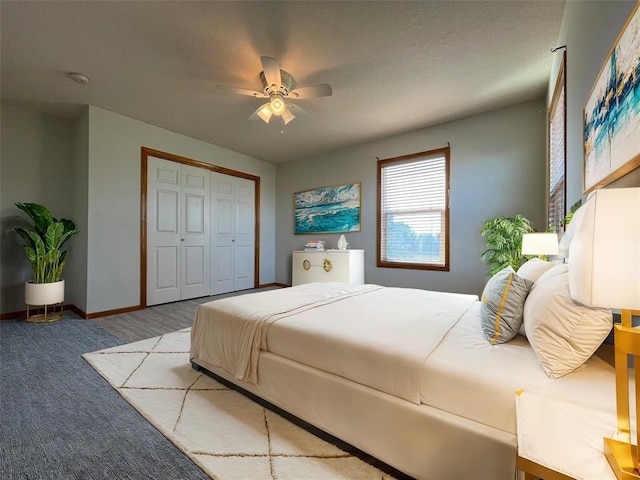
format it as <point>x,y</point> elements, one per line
<point>43,293</point>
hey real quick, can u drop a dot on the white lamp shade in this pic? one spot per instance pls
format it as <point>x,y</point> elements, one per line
<point>604,260</point>
<point>540,244</point>
<point>265,113</point>
<point>287,116</point>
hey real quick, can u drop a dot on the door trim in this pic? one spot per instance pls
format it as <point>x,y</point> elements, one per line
<point>146,152</point>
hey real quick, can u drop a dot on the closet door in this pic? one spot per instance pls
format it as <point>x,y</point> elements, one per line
<point>232,233</point>
<point>195,232</point>
<point>163,231</point>
<point>178,231</point>
<point>244,234</point>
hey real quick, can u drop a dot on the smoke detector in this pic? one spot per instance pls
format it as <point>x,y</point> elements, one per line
<point>78,78</point>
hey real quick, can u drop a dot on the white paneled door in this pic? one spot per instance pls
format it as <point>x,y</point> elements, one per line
<point>178,231</point>
<point>196,232</point>
<point>232,233</point>
<point>200,232</point>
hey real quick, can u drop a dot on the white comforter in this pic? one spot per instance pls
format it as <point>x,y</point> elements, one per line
<point>229,333</point>
<point>376,336</point>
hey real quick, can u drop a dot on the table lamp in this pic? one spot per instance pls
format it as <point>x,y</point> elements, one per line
<point>604,271</point>
<point>541,244</point>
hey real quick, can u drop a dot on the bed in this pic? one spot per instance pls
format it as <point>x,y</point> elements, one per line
<point>404,375</point>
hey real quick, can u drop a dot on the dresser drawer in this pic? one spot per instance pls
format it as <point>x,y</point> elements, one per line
<point>345,266</point>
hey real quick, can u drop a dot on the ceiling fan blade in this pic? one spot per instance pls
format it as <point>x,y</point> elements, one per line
<point>271,68</point>
<point>298,111</point>
<point>241,91</point>
<point>287,116</point>
<point>263,112</point>
<point>321,90</point>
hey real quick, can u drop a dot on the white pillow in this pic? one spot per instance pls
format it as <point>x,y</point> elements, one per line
<point>562,333</point>
<point>533,269</point>
<point>569,233</point>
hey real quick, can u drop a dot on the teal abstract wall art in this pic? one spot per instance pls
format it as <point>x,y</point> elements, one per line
<point>331,209</point>
<point>612,112</point>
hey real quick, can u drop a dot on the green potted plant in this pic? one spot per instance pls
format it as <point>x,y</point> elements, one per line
<point>569,216</point>
<point>503,236</point>
<point>43,246</point>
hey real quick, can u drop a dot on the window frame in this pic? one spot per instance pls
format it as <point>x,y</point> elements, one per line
<point>414,157</point>
<point>560,90</point>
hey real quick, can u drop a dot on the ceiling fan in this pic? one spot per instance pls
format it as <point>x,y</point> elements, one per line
<point>277,88</point>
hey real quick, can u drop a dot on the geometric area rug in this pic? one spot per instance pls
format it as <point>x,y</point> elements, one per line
<point>226,434</point>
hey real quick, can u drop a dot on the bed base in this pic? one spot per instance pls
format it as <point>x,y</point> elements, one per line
<point>421,441</point>
<point>344,446</point>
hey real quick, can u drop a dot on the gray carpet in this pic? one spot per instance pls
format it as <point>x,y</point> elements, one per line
<point>160,319</point>
<point>60,420</point>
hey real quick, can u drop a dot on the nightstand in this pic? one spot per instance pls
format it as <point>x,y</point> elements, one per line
<point>562,424</point>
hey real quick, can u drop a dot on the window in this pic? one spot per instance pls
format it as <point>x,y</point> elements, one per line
<point>413,211</point>
<point>557,153</point>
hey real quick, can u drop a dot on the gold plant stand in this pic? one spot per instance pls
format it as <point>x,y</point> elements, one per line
<point>52,313</point>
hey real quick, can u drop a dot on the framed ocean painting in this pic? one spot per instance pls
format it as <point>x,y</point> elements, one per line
<point>333,209</point>
<point>612,112</point>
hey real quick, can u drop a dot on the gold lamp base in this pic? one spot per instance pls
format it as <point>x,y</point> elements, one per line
<point>621,456</point>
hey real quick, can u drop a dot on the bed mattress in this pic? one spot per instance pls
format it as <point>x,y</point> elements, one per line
<point>468,376</point>
<point>380,339</point>
<point>421,346</point>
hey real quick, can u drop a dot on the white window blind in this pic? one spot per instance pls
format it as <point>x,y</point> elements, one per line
<point>557,155</point>
<point>413,210</point>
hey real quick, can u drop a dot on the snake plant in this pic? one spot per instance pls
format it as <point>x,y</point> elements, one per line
<point>43,243</point>
<point>503,236</point>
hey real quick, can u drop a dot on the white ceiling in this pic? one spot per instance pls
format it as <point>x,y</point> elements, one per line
<point>394,66</point>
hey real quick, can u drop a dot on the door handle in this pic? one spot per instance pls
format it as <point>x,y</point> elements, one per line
<point>182,239</point>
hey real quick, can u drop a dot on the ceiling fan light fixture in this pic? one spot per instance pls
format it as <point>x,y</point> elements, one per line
<point>265,113</point>
<point>277,104</point>
<point>277,85</point>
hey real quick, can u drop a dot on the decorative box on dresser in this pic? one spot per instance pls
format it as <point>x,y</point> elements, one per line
<point>346,266</point>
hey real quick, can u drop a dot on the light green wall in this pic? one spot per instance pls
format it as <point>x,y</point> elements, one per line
<point>88,170</point>
<point>76,275</point>
<point>37,156</point>
<point>498,168</point>
<point>589,30</point>
<point>113,266</point>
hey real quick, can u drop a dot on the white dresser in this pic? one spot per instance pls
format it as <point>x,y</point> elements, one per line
<point>346,266</point>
